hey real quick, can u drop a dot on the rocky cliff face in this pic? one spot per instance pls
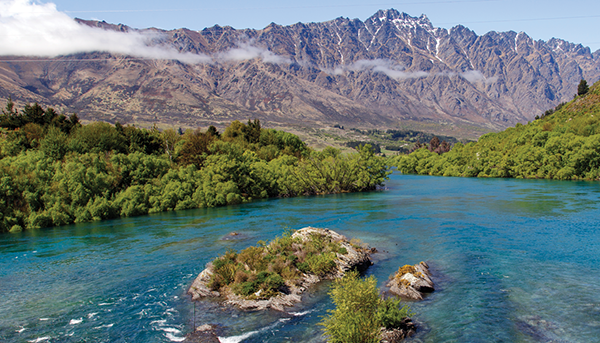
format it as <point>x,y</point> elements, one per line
<point>389,69</point>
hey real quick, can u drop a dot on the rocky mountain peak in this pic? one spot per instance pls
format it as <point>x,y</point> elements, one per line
<point>400,20</point>
<point>104,25</point>
<point>560,45</point>
<point>385,71</point>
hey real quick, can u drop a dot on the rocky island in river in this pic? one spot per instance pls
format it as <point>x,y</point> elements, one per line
<point>275,275</point>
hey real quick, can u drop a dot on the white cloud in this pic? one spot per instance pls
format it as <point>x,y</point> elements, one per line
<point>31,28</point>
<point>475,76</point>
<point>246,51</point>
<point>35,29</point>
<point>386,67</point>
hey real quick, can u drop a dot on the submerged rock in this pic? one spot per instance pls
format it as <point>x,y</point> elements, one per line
<point>353,257</point>
<point>234,236</point>
<point>395,335</point>
<point>541,330</point>
<point>412,281</point>
<point>207,333</point>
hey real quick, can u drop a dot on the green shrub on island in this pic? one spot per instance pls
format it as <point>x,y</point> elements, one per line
<point>56,171</point>
<point>360,312</point>
<point>563,144</point>
<point>260,272</point>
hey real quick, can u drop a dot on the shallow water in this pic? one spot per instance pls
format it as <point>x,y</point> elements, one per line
<point>513,261</point>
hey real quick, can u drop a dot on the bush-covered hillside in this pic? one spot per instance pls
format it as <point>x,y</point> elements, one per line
<point>55,171</point>
<point>563,144</point>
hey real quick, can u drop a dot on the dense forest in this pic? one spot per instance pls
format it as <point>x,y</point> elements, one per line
<point>56,171</point>
<point>562,143</point>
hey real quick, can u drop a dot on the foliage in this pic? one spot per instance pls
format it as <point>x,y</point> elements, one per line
<point>354,319</point>
<point>390,312</point>
<point>259,272</point>
<point>329,171</point>
<point>434,146</point>
<point>55,171</point>
<point>359,311</point>
<point>564,144</point>
<point>404,135</point>
<point>357,145</point>
<point>582,88</point>
<point>11,118</point>
<point>405,270</point>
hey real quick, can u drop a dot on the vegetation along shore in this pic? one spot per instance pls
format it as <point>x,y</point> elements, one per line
<point>56,171</point>
<point>562,144</point>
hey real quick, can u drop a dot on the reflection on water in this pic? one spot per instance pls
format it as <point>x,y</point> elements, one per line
<point>513,261</point>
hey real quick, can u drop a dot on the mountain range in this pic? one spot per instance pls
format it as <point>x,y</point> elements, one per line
<point>390,71</point>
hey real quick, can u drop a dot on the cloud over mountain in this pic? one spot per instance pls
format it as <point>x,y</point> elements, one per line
<point>246,51</point>
<point>35,29</point>
<point>28,28</point>
<point>475,76</point>
<point>384,66</point>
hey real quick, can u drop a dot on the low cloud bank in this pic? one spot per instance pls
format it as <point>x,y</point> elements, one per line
<point>37,29</point>
<point>386,67</point>
<point>29,28</point>
<point>247,52</point>
<point>398,72</point>
<point>475,76</point>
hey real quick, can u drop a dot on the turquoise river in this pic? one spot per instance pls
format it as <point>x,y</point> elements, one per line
<point>513,261</point>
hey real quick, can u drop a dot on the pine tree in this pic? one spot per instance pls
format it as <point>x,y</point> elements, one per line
<point>582,88</point>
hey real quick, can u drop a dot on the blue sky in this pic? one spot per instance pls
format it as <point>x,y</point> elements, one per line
<point>577,21</point>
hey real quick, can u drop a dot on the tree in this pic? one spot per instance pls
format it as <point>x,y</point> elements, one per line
<point>359,312</point>
<point>170,139</point>
<point>251,131</point>
<point>213,131</point>
<point>434,143</point>
<point>583,88</point>
<point>354,319</point>
<point>54,144</point>
<point>195,148</point>
<point>233,131</point>
<point>443,148</point>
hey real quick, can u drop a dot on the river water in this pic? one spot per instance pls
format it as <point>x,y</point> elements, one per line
<point>513,261</point>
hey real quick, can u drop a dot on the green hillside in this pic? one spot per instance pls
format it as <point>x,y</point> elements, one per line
<point>564,144</point>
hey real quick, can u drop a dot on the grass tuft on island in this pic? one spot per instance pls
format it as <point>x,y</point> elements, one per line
<point>285,267</point>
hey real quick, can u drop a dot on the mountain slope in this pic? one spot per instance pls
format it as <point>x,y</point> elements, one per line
<point>386,71</point>
<point>564,145</point>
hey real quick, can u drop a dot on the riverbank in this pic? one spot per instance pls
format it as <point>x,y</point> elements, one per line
<point>53,174</point>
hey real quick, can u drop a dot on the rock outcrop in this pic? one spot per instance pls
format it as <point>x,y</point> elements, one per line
<point>411,282</point>
<point>355,257</point>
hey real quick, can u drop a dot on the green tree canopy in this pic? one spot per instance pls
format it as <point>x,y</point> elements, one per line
<point>55,171</point>
<point>582,88</point>
<point>360,312</point>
